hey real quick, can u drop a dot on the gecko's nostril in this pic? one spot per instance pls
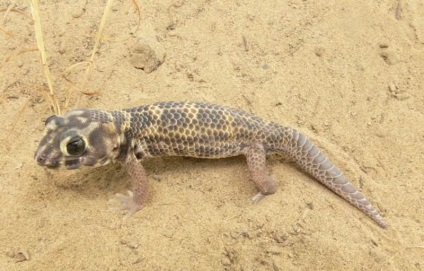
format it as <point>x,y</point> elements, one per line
<point>40,159</point>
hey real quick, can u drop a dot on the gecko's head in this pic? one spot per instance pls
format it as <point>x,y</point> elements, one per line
<point>80,137</point>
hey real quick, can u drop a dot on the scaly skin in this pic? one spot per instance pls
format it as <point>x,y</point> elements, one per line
<point>193,129</point>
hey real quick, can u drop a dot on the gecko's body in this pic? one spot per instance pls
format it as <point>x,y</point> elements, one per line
<point>202,130</point>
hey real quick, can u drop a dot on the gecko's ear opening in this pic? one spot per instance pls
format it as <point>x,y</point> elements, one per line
<point>53,122</point>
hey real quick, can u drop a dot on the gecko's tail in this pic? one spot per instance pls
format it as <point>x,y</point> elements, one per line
<point>311,159</point>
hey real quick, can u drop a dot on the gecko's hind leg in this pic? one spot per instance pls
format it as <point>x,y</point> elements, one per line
<point>256,163</point>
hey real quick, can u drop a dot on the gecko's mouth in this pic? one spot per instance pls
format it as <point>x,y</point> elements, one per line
<point>50,165</point>
<point>42,161</point>
<point>72,162</point>
<point>55,163</point>
<point>74,166</point>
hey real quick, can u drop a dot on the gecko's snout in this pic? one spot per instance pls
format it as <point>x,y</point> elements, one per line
<point>42,161</point>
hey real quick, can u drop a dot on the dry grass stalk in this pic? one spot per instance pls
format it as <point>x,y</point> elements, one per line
<point>19,50</point>
<point>6,13</point>
<point>9,33</point>
<point>41,49</point>
<point>90,62</point>
<point>11,9</point>
<point>89,68</point>
<point>137,8</point>
<point>15,53</point>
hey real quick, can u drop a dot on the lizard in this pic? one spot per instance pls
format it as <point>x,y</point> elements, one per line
<point>88,137</point>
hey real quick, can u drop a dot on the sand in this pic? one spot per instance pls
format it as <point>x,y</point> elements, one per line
<point>349,74</point>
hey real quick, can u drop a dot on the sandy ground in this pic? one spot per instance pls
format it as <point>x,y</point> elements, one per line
<point>349,74</point>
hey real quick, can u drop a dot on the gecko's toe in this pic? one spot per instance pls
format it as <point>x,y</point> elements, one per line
<point>125,202</point>
<point>256,198</point>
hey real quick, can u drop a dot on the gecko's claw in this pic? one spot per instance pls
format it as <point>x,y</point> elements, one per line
<point>256,198</point>
<point>125,202</point>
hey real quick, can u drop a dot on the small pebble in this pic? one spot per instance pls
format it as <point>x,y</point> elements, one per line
<point>390,57</point>
<point>147,54</point>
<point>78,13</point>
<point>275,250</point>
<point>19,63</point>
<point>319,51</point>
<point>225,261</point>
<point>392,87</point>
<point>22,255</point>
<point>62,48</point>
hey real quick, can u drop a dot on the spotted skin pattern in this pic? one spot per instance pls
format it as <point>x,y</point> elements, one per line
<point>193,129</point>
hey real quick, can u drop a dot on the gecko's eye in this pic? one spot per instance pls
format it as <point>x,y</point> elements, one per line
<point>76,146</point>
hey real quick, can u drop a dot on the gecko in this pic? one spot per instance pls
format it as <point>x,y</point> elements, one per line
<point>88,137</point>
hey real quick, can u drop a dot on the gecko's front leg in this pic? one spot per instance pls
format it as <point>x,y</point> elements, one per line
<point>135,199</point>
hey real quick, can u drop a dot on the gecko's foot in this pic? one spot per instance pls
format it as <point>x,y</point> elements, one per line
<point>125,202</point>
<point>256,198</point>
